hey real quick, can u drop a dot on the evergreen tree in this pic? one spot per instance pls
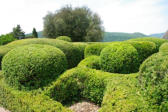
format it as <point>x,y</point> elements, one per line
<point>18,33</point>
<point>34,33</point>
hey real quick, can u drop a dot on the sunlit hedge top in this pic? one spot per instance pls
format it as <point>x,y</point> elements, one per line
<point>164,48</point>
<point>33,66</point>
<point>65,38</point>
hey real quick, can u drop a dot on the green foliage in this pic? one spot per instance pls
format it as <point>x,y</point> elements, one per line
<point>154,81</point>
<point>144,49</point>
<point>164,48</point>
<point>123,95</point>
<point>79,83</point>
<point>91,62</point>
<point>119,58</point>
<point>119,36</point>
<point>4,39</point>
<point>94,49</point>
<point>79,23</point>
<point>18,33</point>
<point>19,101</point>
<point>33,66</point>
<point>157,41</point>
<point>74,53</point>
<point>65,38</point>
<point>34,33</point>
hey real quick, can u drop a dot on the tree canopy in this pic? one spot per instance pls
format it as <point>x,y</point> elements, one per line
<point>18,33</point>
<point>80,23</point>
<point>34,33</point>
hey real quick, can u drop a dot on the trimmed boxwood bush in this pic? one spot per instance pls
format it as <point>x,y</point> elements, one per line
<point>65,38</point>
<point>33,101</point>
<point>123,95</point>
<point>94,49</point>
<point>33,66</point>
<point>119,58</point>
<point>157,41</point>
<point>154,81</point>
<point>144,48</point>
<point>71,51</point>
<point>164,48</point>
<point>79,83</point>
<point>91,62</point>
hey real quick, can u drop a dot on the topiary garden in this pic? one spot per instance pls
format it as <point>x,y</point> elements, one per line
<point>48,75</point>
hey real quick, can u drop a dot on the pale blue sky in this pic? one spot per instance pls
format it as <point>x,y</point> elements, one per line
<point>146,16</point>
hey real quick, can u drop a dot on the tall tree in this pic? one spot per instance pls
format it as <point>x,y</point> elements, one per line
<point>34,33</point>
<point>18,33</point>
<point>78,23</point>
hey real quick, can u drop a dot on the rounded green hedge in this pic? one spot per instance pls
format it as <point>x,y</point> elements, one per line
<point>164,48</point>
<point>144,48</point>
<point>90,62</point>
<point>94,49</point>
<point>33,66</point>
<point>65,38</point>
<point>71,51</point>
<point>154,81</point>
<point>157,41</point>
<point>119,58</point>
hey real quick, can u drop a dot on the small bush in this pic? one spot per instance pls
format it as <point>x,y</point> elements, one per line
<point>164,48</point>
<point>154,81</point>
<point>19,101</point>
<point>79,83</point>
<point>144,48</point>
<point>157,41</point>
<point>33,66</point>
<point>91,62</point>
<point>65,38</point>
<point>71,51</point>
<point>119,58</point>
<point>94,49</point>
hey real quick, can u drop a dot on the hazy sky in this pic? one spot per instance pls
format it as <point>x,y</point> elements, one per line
<point>146,16</point>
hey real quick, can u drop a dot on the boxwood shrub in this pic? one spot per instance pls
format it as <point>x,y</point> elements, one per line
<point>164,48</point>
<point>123,95</point>
<point>90,62</point>
<point>154,81</point>
<point>65,38</point>
<point>71,51</point>
<point>32,101</point>
<point>94,49</point>
<point>144,49</point>
<point>157,41</point>
<point>33,66</point>
<point>79,83</point>
<point>119,58</point>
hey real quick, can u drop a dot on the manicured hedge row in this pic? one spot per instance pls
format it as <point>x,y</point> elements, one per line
<point>123,95</point>
<point>71,51</point>
<point>157,41</point>
<point>33,66</point>
<point>65,38</point>
<point>144,49</point>
<point>154,81</point>
<point>19,101</point>
<point>91,62</point>
<point>79,83</point>
<point>119,58</point>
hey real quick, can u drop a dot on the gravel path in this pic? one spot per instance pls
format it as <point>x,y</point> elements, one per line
<point>3,110</point>
<point>84,107</point>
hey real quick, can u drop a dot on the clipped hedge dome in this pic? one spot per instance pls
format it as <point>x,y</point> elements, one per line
<point>164,48</point>
<point>65,38</point>
<point>33,66</point>
<point>94,49</point>
<point>119,58</point>
<point>91,62</point>
<point>154,81</point>
<point>144,48</point>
